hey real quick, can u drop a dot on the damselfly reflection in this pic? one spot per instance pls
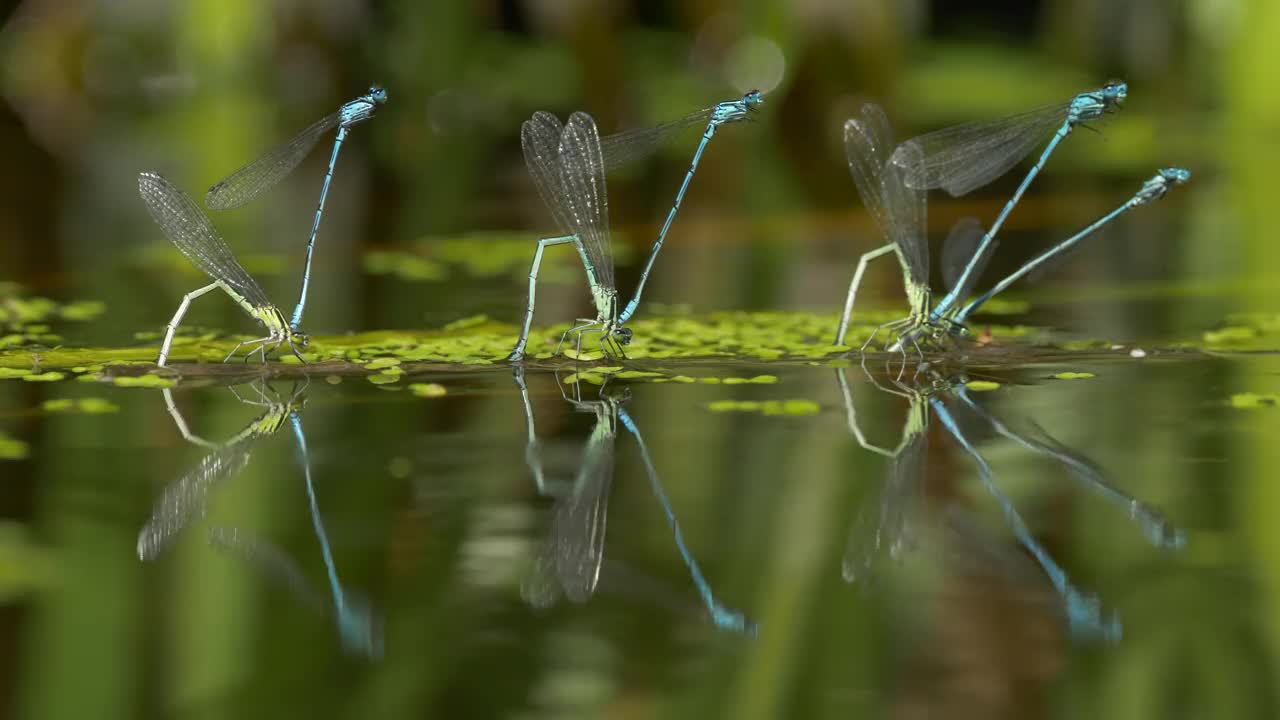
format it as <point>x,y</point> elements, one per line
<point>887,527</point>
<point>187,499</point>
<point>574,553</point>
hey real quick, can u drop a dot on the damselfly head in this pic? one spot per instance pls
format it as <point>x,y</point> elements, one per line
<point>1114,92</point>
<point>622,335</point>
<point>299,339</point>
<point>378,94</point>
<point>1176,175</point>
<point>752,99</point>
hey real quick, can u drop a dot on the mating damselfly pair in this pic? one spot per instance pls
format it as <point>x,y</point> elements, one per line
<point>568,164</point>
<point>893,184</point>
<point>192,233</point>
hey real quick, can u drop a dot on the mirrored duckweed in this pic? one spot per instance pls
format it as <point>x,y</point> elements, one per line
<point>1065,511</point>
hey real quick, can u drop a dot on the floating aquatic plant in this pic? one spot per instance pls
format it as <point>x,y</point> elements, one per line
<point>13,448</point>
<point>1253,401</point>
<point>428,390</point>
<point>767,407</point>
<point>87,406</point>
<point>51,376</point>
<point>479,341</point>
<point>147,381</point>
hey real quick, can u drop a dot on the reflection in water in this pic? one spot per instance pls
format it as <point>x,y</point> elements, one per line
<point>187,499</point>
<point>574,551</point>
<point>1084,613</point>
<point>889,531</point>
<point>889,528</point>
<point>1159,531</point>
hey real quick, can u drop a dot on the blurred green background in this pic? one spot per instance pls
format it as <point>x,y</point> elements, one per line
<point>95,93</point>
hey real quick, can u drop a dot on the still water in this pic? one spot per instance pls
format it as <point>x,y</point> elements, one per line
<point>525,546</point>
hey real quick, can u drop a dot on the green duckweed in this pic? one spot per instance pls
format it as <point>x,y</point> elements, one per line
<point>144,381</point>
<point>88,406</point>
<point>13,448</point>
<point>1253,401</point>
<point>1230,336</point>
<point>51,376</point>
<point>481,341</point>
<point>794,408</point>
<point>382,363</point>
<point>428,390</point>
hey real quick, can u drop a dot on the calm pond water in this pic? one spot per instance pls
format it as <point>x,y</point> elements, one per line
<point>1033,534</point>
<point>1049,547</point>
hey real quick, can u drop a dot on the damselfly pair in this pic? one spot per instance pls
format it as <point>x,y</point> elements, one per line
<point>893,183</point>
<point>193,234</point>
<point>568,163</point>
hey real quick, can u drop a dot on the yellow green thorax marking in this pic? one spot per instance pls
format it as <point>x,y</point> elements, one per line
<point>271,318</point>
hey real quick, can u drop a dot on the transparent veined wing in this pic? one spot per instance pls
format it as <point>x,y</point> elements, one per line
<point>194,236</point>
<point>540,140</point>
<point>586,197</point>
<point>623,148</point>
<point>868,145</point>
<point>963,158</point>
<point>250,181</point>
<point>906,210</point>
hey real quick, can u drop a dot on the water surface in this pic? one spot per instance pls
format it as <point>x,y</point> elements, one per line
<point>798,573</point>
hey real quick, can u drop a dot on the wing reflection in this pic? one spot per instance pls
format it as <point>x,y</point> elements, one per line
<point>187,499</point>
<point>574,553</point>
<point>884,528</point>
